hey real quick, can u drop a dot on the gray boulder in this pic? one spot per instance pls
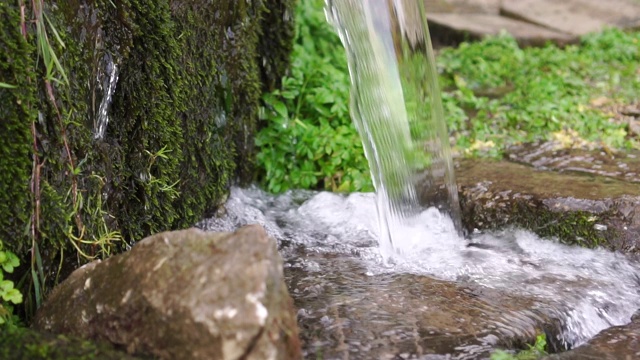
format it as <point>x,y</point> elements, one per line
<point>186,294</point>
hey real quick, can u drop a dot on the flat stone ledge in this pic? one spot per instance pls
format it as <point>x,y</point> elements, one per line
<point>576,17</point>
<point>577,208</point>
<point>531,22</point>
<point>455,28</point>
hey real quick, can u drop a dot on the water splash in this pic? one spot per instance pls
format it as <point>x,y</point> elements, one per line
<point>586,290</point>
<point>107,80</point>
<point>396,107</point>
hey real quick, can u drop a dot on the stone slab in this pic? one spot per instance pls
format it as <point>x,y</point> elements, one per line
<point>621,165</point>
<point>452,27</point>
<point>462,6</point>
<point>578,208</point>
<point>576,17</point>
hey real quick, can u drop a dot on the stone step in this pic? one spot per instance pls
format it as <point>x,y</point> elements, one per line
<point>453,28</point>
<point>531,22</point>
<point>581,198</point>
<point>463,6</point>
<point>576,17</point>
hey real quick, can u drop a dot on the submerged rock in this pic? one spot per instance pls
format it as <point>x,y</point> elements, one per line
<point>618,342</point>
<point>183,295</point>
<point>346,312</point>
<point>585,201</point>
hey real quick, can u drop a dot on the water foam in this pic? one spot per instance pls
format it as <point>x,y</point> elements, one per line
<point>591,289</point>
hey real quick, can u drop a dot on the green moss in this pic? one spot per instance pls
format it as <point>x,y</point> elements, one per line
<point>275,49</point>
<point>145,118</point>
<point>17,113</point>
<point>28,344</point>
<point>180,125</point>
<point>569,227</point>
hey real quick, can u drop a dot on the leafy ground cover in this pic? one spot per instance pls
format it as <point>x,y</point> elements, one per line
<point>495,94</point>
<point>535,351</point>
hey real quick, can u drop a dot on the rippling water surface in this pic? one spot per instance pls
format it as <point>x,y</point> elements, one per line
<point>330,246</point>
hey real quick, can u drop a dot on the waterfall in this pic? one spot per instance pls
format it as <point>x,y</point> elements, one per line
<point>397,109</point>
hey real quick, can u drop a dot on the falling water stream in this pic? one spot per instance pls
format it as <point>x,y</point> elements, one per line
<point>107,79</point>
<point>407,283</point>
<point>396,107</point>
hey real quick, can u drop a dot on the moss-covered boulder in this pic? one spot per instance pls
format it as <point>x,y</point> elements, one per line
<point>584,198</point>
<point>120,119</point>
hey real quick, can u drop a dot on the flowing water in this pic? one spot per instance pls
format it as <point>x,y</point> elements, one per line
<point>107,79</point>
<point>508,285</point>
<point>407,284</point>
<point>396,107</point>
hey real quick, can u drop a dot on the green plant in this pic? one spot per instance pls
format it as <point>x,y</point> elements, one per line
<point>498,94</point>
<point>535,351</point>
<point>307,139</point>
<point>9,294</point>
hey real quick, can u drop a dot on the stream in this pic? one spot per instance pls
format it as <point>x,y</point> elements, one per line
<point>442,296</point>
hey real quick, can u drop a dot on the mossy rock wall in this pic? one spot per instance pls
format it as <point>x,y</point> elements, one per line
<point>189,73</point>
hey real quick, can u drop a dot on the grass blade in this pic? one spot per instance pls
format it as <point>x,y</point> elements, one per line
<point>55,32</point>
<point>39,264</point>
<point>36,287</point>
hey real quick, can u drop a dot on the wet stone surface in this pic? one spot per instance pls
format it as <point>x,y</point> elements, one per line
<point>615,343</point>
<point>587,198</point>
<point>345,312</point>
<point>451,298</point>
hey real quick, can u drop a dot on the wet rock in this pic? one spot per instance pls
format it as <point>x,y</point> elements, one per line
<point>183,295</point>
<point>346,312</point>
<point>586,205</point>
<point>29,344</point>
<point>615,343</point>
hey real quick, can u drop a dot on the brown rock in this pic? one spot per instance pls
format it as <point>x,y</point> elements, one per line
<point>615,343</point>
<point>183,295</point>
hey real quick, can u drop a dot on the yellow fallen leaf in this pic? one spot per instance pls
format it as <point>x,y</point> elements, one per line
<point>600,101</point>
